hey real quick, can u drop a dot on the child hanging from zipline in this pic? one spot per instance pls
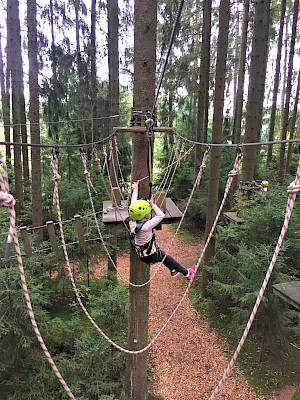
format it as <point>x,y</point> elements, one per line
<point>141,227</point>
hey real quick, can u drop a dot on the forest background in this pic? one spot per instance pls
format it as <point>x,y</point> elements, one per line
<point>233,76</point>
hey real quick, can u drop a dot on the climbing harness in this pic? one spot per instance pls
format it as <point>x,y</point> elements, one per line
<point>133,228</point>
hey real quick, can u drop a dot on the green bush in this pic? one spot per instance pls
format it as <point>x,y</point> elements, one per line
<point>89,364</point>
<point>243,255</point>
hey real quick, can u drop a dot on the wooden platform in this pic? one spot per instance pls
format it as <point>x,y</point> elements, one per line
<point>233,217</point>
<point>289,292</point>
<point>114,215</point>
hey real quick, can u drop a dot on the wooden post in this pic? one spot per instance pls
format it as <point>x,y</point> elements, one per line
<point>113,241</point>
<point>26,241</point>
<point>79,229</point>
<point>136,382</point>
<point>116,196</point>
<point>52,237</point>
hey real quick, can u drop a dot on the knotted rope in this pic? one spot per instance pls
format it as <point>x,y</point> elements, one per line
<point>197,181</point>
<point>9,201</point>
<point>292,190</point>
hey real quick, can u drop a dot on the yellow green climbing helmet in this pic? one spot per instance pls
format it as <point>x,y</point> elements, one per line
<point>138,209</point>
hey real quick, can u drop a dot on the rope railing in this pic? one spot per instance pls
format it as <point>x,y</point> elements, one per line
<point>231,174</point>
<point>292,190</point>
<point>121,217</point>
<point>8,201</point>
<point>106,139</point>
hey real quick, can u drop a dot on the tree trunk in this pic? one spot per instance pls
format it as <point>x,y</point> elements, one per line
<point>285,118</point>
<point>13,20</point>
<point>53,100</point>
<point>22,112</point>
<point>145,14</point>
<point>276,82</point>
<point>95,134</point>
<point>256,88</point>
<point>293,126</point>
<point>214,174</point>
<point>36,180</point>
<point>23,129</point>
<point>113,73</point>
<point>203,98</point>
<point>113,68</point>
<point>84,136</point>
<point>238,107</point>
<point>5,104</point>
<point>239,98</point>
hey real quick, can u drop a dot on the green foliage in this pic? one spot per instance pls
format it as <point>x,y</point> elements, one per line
<point>243,254</point>
<point>296,395</point>
<point>88,363</point>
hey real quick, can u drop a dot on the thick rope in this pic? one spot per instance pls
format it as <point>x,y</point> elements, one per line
<point>70,274</point>
<point>8,201</point>
<point>168,168</point>
<point>150,164</point>
<point>176,166</point>
<point>101,169</point>
<point>112,146</point>
<point>293,189</point>
<point>177,161</point>
<point>231,174</point>
<point>118,162</point>
<point>68,266</point>
<point>202,166</point>
<point>175,26</point>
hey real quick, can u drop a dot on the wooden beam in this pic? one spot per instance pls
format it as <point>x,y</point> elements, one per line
<point>160,200</point>
<point>113,242</point>
<point>141,129</point>
<point>79,229</point>
<point>26,241</point>
<point>52,237</point>
<point>289,292</point>
<point>232,216</point>
<point>114,215</point>
<point>116,196</point>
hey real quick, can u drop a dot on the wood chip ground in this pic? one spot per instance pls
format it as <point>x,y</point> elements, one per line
<point>188,359</point>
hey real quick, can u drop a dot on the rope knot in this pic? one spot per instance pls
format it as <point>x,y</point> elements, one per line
<point>233,172</point>
<point>56,177</point>
<point>7,199</point>
<point>293,188</point>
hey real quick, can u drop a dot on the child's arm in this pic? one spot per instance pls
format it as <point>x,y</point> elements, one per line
<point>135,191</point>
<point>159,216</point>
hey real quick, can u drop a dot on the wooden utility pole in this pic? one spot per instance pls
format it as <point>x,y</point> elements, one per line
<point>145,15</point>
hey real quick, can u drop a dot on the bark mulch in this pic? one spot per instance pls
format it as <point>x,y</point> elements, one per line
<point>188,359</point>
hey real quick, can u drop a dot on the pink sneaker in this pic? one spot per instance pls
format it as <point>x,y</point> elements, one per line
<point>174,273</point>
<point>191,272</point>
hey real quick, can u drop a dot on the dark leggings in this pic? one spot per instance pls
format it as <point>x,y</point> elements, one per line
<point>169,262</point>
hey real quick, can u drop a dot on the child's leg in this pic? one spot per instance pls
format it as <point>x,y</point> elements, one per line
<point>172,264</point>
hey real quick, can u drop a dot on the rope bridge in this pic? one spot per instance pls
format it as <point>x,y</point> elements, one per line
<point>9,202</point>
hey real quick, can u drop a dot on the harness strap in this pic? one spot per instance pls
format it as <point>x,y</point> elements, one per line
<point>145,247</point>
<point>149,130</point>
